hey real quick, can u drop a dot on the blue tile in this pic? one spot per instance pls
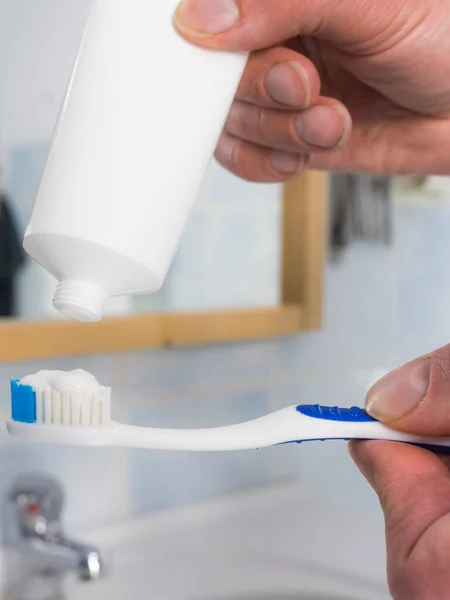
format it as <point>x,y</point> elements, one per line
<point>344,389</point>
<point>328,470</point>
<point>260,294</point>
<point>151,374</point>
<point>157,302</point>
<point>246,251</point>
<point>203,411</point>
<point>229,254</point>
<point>359,316</point>
<point>160,480</point>
<point>229,192</point>
<point>228,257</point>
<point>185,294</point>
<point>424,279</point>
<point>326,467</point>
<point>193,258</point>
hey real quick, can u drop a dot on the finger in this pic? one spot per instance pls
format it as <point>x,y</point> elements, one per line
<point>279,78</point>
<point>416,397</point>
<point>414,490</point>
<point>383,155</point>
<point>256,24</point>
<point>255,163</point>
<point>324,126</point>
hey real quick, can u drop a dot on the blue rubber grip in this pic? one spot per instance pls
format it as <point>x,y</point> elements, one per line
<point>350,415</point>
<point>334,413</point>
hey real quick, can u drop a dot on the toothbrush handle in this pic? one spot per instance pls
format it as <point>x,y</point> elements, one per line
<point>356,423</point>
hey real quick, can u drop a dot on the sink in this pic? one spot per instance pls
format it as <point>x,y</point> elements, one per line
<point>279,543</point>
<point>236,581</point>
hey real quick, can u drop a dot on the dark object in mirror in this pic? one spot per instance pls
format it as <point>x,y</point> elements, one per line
<point>12,258</point>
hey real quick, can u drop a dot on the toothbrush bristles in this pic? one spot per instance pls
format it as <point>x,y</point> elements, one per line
<point>72,410</point>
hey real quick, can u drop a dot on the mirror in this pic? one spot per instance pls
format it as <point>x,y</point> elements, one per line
<point>251,261</point>
<point>230,253</point>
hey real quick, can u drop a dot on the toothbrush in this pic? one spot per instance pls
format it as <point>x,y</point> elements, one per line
<point>80,419</point>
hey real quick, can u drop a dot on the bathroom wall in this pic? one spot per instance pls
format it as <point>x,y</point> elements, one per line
<point>38,42</point>
<point>383,307</point>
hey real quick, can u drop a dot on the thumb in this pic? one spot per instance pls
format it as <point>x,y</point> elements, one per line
<point>254,24</point>
<point>416,397</point>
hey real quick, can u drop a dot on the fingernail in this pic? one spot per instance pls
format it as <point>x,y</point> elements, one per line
<point>206,17</point>
<point>322,126</point>
<point>399,392</point>
<point>288,84</point>
<point>286,163</point>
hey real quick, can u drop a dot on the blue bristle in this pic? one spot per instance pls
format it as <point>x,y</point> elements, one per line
<point>23,402</point>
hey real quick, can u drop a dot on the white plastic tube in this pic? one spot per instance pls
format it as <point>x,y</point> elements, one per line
<point>139,125</point>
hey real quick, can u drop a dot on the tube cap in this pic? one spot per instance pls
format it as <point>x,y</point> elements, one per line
<point>80,300</point>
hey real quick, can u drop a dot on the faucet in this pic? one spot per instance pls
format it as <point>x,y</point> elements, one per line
<point>36,542</point>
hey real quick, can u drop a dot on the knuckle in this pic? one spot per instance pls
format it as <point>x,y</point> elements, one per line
<point>439,379</point>
<point>442,358</point>
<point>260,121</point>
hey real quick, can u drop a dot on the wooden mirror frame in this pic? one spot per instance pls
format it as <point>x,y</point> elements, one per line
<point>303,257</point>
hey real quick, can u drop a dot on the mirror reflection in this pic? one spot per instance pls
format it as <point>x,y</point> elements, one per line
<point>230,253</point>
<point>229,256</point>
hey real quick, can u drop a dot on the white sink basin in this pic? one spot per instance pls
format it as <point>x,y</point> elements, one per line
<point>275,544</point>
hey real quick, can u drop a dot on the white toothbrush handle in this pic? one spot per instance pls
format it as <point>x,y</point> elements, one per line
<point>292,424</point>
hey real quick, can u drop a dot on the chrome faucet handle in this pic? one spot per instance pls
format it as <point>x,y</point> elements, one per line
<point>38,502</point>
<point>41,553</point>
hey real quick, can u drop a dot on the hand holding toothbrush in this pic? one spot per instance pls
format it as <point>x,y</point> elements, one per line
<point>413,484</point>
